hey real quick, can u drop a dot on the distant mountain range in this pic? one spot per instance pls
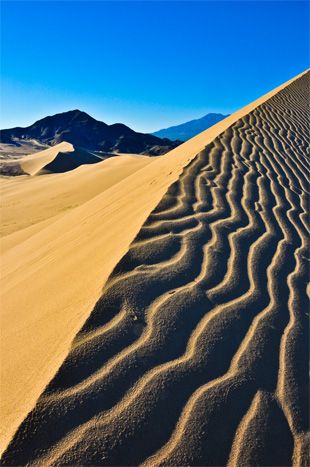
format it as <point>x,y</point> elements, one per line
<point>82,130</point>
<point>189,129</point>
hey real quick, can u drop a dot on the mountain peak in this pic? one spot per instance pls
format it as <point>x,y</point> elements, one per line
<point>83,131</point>
<point>187,130</point>
<point>69,115</point>
<point>77,113</point>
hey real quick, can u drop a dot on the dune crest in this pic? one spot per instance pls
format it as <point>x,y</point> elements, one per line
<point>57,159</point>
<point>31,203</point>
<point>195,352</point>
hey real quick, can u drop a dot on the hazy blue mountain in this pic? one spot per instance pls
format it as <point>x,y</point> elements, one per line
<point>189,129</point>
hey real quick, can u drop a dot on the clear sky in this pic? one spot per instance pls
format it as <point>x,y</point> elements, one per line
<point>147,64</point>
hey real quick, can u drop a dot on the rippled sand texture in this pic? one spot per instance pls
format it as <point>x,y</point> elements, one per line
<point>196,353</point>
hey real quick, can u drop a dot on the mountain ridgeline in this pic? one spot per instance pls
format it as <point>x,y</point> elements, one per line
<point>82,130</point>
<point>189,129</point>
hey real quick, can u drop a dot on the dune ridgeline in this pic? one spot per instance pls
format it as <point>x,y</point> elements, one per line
<point>62,157</point>
<point>161,318</point>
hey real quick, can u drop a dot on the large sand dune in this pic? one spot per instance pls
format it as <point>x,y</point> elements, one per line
<point>196,352</point>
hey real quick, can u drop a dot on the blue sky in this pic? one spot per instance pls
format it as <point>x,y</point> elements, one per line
<point>147,64</point>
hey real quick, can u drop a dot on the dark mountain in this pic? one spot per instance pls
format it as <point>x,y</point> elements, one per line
<point>187,130</point>
<point>82,130</point>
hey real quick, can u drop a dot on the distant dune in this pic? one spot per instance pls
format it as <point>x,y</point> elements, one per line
<point>16,151</point>
<point>195,352</point>
<point>57,159</point>
<point>188,130</point>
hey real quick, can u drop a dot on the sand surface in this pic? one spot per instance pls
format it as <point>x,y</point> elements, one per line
<point>35,201</point>
<point>195,353</point>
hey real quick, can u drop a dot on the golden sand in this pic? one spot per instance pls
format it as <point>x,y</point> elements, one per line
<point>194,352</point>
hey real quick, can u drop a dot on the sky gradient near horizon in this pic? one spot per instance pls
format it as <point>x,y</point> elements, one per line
<point>147,64</point>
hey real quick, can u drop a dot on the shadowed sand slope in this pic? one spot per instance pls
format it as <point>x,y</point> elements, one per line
<point>195,354</point>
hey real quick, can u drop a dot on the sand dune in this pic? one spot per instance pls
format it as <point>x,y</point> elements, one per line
<point>57,159</point>
<point>195,353</point>
<point>18,149</point>
<point>30,204</point>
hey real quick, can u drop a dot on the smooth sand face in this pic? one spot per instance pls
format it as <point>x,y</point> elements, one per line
<point>198,337</point>
<point>29,204</point>
<point>35,162</point>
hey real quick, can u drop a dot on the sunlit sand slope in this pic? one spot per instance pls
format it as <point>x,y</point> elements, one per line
<point>196,352</point>
<point>29,203</point>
